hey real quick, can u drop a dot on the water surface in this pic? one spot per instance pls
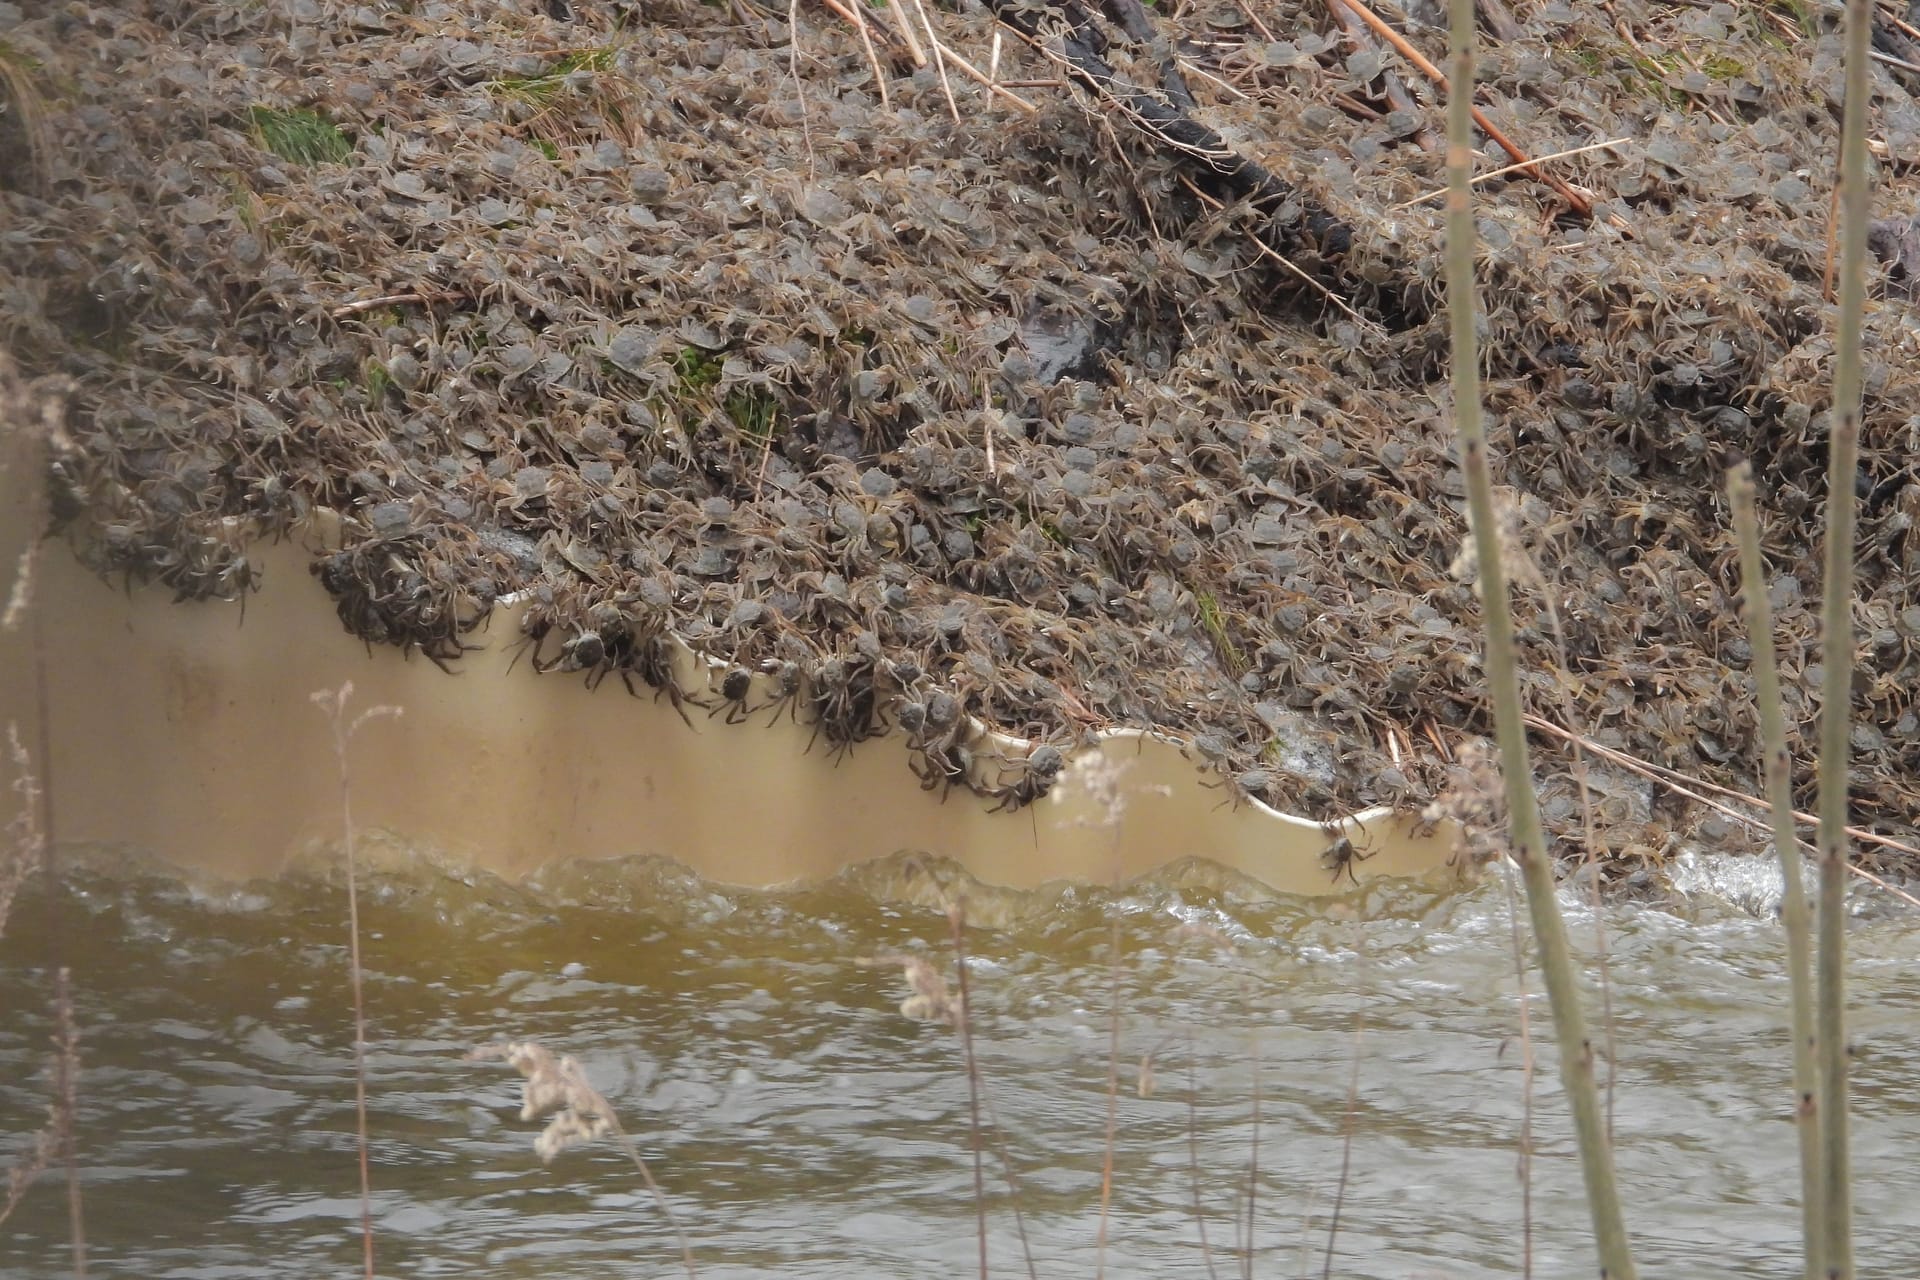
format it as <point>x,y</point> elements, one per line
<point>799,1123</point>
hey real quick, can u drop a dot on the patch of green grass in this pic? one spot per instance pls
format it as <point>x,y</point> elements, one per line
<point>546,148</point>
<point>377,379</point>
<point>1214,623</point>
<point>752,409</point>
<point>299,135</point>
<point>540,91</point>
<point>1590,61</point>
<point>1652,71</point>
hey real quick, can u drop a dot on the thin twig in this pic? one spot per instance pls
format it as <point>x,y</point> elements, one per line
<point>334,704</point>
<point>1253,1161</point>
<point>1113,1090</point>
<point>1014,1195</point>
<point>1692,788</point>
<point>1346,1147</point>
<point>993,86</point>
<point>1193,1160</point>
<point>906,29</point>
<point>66,1088</point>
<point>873,57</point>
<point>1526,1081</point>
<point>346,309</point>
<point>799,92</point>
<point>939,58</point>
<point>1892,61</point>
<point>1579,203</point>
<point>956,922</point>
<point>1502,172</point>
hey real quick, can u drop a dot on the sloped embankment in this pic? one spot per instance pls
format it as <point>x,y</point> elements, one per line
<point>673,322</point>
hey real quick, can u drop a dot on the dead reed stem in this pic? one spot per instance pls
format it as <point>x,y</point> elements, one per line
<point>1525,1161</point>
<point>29,838</point>
<point>1346,1148</point>
<point>334,704</point>
<point>1836,643</point>
<point>1556,959</point>
<point>1776,772</point>
<point>1193,1159</point>
<point>1013,1181</point>
<point>558,1090</point>
<point>956,922</point>
<point>939,58</point>
<point>25,848</point>
<point>1575,201</point>
<point>1253,1163</point>
<point>1113,1087</point>
<point>1693,787</point>
<point>799,85</point>
<point>66,1092</point>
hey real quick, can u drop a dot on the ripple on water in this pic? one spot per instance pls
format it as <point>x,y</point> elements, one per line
<point>799,1123</point>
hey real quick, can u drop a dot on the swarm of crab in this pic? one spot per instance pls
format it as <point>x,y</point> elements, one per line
<point>924,419</point>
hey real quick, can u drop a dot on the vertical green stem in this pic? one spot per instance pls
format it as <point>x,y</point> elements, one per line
<point>1794,909</point>
<point>1836,646</point>
<point>1556,959</point>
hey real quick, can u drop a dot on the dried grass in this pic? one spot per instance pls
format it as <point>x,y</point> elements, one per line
<point>333,702</point>
<point>557,1090</point>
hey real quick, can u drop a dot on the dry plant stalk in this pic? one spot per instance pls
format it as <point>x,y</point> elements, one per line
<point>1346,1147</point>
<point>1113,1086</point>
<point>55,1140</point>
<point>1576,201</point>
<point>1794,910</point>
<point>577,1113</point>
<point>24,847</point>
<point>1556,958</point>
<point>956,921</point>
<point>1193,1159</point>
<point>333,702</point>
<point>1836,645</point>
<point>932,1000</point>
<point>1525,1161</point>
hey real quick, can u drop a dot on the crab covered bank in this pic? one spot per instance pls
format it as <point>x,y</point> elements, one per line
<point>1015,385</point>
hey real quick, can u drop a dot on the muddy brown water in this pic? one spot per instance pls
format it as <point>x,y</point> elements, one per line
<point>801,1125</point>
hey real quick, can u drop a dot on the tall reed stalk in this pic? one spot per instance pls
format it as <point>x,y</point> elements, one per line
<point>1836,645</point>
<point>1786,841</point>
<point>1556,958</point>
<point>334,703</point>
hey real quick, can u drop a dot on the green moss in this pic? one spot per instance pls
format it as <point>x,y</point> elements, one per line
<point>299,136</point>
<point>1720,68</point>
<point>695,370</point>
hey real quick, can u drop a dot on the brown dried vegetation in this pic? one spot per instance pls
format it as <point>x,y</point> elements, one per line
<point>996,416</point>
